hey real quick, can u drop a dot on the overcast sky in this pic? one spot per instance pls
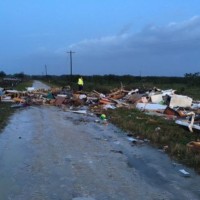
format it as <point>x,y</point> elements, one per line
<point>136,37</point>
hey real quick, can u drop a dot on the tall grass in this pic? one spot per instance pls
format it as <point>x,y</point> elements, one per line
<point>162,133</point>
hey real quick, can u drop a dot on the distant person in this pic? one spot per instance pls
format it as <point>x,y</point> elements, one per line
<point>80,84</point>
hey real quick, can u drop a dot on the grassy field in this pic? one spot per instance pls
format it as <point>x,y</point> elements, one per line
<point>189,86</point>
<point>5,110</point>
<point>23,85</point>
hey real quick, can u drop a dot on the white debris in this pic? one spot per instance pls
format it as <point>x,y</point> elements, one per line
<point>30,89</point>
<point>184,173</point>
<point>150,106</point>
<point>132,139</point>
<point>82,96</point>
<point>180,101</point>
<point>79,111</point>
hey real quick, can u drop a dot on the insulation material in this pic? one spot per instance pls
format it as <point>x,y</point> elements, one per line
<point>180,101</point>
<point>157,98</point>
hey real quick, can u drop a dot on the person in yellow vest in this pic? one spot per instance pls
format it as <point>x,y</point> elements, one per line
<point>80,84</point>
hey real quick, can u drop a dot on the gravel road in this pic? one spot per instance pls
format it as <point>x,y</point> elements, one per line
<point>50,154</point>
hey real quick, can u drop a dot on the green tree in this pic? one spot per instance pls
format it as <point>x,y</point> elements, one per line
<point>192,79</point>
<point>20,75</point>
<point>2,74</point>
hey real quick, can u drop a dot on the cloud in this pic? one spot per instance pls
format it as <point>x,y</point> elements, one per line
<point>126,29</point>
<point>168,50</point>
<point>155,50</point>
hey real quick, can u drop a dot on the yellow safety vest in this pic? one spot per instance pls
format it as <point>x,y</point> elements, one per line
<point>80,81</point>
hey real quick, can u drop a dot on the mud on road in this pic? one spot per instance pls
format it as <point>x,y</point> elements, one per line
<point>49,154</point>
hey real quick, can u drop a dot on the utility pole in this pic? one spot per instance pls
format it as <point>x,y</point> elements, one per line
<point>70,54</point>
<point>46,70</point>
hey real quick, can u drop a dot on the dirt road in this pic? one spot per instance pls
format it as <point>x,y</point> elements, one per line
<point>49,154</point>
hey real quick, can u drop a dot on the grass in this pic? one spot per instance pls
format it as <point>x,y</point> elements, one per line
<point>5,107</point>
<point>23,85</point>
<point>162,133</point>
<point>5,112</point>
<point>108,82</point>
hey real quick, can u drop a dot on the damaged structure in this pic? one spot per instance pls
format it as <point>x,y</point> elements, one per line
<point>182,108</point>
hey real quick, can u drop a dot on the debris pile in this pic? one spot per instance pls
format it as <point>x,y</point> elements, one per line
<point>165,103</point>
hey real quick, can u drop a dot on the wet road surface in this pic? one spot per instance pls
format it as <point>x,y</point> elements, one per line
<point>49,154</point>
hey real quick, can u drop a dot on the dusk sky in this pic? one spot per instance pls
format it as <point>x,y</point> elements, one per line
<point>136,37</point>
